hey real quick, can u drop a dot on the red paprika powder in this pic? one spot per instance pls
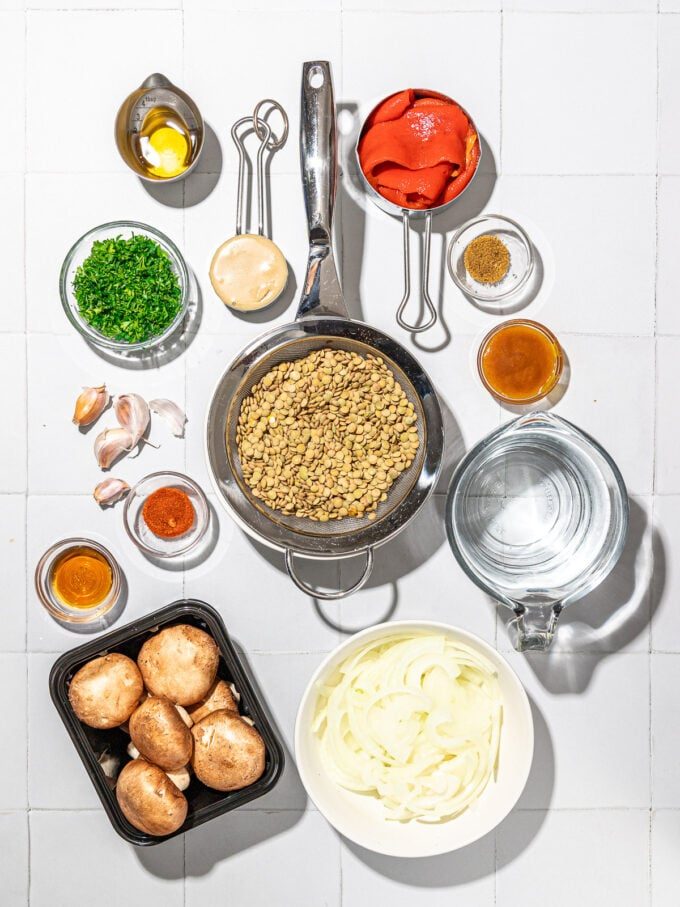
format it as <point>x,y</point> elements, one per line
<point>168,512</point>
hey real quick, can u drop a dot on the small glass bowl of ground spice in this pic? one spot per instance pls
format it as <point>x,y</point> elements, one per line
<point>490,258</point>
<point>78,581</point>
<point>125,287</point>
<point>166,514</point>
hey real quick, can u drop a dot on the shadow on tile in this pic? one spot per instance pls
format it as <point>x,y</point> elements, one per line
<point>198,185</point>
<point>478,860</point>
<point>162,860</point>
<point>610,617</point>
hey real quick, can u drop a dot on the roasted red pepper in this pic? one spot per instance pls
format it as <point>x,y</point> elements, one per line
<point>418,151</point>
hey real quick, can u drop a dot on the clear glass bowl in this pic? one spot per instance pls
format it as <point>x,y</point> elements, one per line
<point>57,608</point>
<point>80,251</point>
<point>140,533</point>
<point>548,385</point>
<point>521,258</point>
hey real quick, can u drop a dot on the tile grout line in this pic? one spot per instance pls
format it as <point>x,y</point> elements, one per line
<point>500,89</point>
<point>26,415</point>
<point>654,453</point>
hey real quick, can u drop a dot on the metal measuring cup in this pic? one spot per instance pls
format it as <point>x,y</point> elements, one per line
<point>408,214</point>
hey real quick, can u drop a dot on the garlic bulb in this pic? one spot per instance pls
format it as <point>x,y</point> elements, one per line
<point>110,490</point>
<point>91,403</point>
<point>110,444</point>
<point>132,412</point>
<point>173,415</point>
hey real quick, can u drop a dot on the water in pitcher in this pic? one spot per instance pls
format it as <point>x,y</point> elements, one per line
<point>536,511</point>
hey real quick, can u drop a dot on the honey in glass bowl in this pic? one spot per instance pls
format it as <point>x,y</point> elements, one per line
<point>81,577</point>
<point>520,361</point>
<point>78,581</point>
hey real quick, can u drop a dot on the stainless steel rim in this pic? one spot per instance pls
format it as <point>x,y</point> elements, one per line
<point>254,520</point>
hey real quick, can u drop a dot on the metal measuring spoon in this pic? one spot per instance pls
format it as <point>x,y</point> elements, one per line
<point>248,271</point>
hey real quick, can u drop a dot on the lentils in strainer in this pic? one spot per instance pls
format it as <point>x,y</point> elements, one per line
<point>325,436</point>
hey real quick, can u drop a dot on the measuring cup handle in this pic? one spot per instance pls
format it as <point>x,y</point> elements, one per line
<point>534,627</point>
<point>322,593</point>
<point>424,278</point>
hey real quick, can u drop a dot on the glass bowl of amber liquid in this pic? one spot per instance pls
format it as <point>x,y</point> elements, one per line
<point>140,521</point>
<point>520,362</point>
<point>513,273</point>
<point>78,581</point>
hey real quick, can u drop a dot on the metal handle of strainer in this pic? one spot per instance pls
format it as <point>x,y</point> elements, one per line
<point>324,594</point>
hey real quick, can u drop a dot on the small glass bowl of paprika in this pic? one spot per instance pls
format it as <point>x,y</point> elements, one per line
<point>166,514</point>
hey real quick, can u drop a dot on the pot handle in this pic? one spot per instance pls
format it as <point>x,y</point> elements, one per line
<point>320,593</point>
<point>424,277</point>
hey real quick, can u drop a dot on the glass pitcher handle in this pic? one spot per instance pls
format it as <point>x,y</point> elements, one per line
<point>534,627</point>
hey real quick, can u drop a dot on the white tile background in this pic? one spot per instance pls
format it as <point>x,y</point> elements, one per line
<point>579,104</point>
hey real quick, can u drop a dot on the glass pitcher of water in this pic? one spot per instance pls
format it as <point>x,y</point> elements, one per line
<point>537,515</point>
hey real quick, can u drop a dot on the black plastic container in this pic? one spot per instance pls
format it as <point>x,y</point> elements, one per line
<point>107,748</point>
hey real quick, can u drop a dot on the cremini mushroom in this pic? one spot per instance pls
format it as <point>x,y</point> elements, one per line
<point>149,799</point>
<point>228,753</point>
<point>221,696</point>
<point>160,734</point>
<point>180,662</point>
<point>181,778</point>
<point>106,691</point>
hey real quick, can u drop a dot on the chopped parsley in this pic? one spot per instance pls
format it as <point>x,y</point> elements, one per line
<point>126,289</point>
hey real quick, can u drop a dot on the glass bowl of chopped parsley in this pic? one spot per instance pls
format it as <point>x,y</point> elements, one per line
<point>125,287</point>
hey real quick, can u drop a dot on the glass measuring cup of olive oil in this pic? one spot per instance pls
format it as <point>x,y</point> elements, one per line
<point>159,131</point>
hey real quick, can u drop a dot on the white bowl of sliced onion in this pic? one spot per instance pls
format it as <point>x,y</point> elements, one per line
<point>414,738</point>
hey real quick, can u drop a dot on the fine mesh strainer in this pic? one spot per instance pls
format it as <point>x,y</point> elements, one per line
<point>322,322</point>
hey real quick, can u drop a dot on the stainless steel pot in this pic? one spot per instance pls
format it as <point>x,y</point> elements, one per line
<point>322,321</point>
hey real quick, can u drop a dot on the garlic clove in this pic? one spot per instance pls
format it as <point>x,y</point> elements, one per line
<point>110,490</point>
<point>132,412</point>
<point>111,444</point>
<point>91,403</point>
<point>171,413</point>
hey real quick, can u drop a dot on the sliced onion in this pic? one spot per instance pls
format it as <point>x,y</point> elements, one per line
<point>414,720</point>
